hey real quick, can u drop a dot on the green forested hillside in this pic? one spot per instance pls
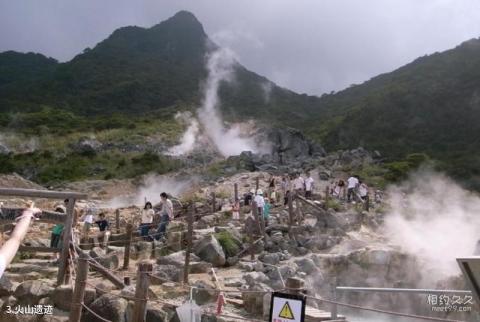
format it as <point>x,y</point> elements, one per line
<point>431,105</point>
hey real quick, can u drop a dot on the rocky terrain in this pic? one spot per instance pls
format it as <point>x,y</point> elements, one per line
<point>330,243</point>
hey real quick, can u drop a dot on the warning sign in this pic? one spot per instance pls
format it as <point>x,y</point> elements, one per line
<point>287,308</point>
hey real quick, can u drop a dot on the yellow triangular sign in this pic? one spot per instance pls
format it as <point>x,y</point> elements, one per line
<point>286,312</point>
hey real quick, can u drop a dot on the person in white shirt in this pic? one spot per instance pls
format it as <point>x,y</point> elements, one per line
<point>166,214</point>
<point>309,186</point>
<point>259,201</point>
<point>87,222</point>
<point>10,247</point>
<point>363,190</point>
<point>147,219</point>
<point>299,184</point>
<point>352,184</point>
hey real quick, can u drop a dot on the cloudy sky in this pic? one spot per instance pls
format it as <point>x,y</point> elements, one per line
<point>310,46</point>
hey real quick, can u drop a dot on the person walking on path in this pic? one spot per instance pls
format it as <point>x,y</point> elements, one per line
<point>166,215</point>
<point>147,219</point>
<point>260,201</point>
<point>104,232</point>
<point>299,184</point>
<point>236,210</point>
<point>309,186</point>
<point>352,184</point>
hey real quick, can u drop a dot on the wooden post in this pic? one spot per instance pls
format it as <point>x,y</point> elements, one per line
<point>79,290</point>
<point>97,267</point>
<point>256,217</point>
<point>141,291</point>
<point>214,202</point>
<point>250,238</point>
<point>117,220</point>
<point>256,184</point>
<point>327,193</point>
<point>294,285</point>
<point>186,267</point>
<point>290,213</point>
<point>367,203</point>
<point>235,189</point>
<point>67,238</point>
<point>126,256</point>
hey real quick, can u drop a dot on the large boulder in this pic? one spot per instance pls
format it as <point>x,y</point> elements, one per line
<point>86,146</point>
<point>7,287</point>
<point>62,296</point>
<point>210,250</point>
<point>176,259</point>
<point>108,260</point>
<point>109,307</point>
<point>30,292</point>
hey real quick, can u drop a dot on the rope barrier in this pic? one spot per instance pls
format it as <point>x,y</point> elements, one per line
<point>382,311</point>
<point>94,313</point>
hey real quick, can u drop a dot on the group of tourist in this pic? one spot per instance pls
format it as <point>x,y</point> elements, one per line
<point>148,219</point>
<point>353,190</point>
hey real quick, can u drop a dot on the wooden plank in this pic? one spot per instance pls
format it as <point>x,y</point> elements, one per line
<point>99,268</point>
<point>313,315</point>
<point>10,214</point>
<point>38,249</point>
<point>67,239</point>
<point>35,193</point>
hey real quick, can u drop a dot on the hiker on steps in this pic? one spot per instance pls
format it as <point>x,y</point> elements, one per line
<point>166,214</point>
<point>260,201</point>
<point>147,219</point>
<point>309,186</point>
<point>299,184</point>
<point>352,185</point>
<point>104,232</point>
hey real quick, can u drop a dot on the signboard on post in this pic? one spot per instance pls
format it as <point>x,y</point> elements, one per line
<point>287,308</point>
<point>470,267</point>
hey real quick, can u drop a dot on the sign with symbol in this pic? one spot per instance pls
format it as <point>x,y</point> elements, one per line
<point>287,308</point>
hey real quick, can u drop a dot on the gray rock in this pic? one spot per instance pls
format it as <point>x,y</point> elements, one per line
<point>86,146</point>
<point>6,286</point>
<point>202,293</point>
<point>30,292</point>
<point>210,250</point>
<point>307,265</point>
<point>176,259</point>
<point>254,278</point>
<point>62,296</point>
<point>109,307</point>
<point>253,301</point>
<point>270,258</point>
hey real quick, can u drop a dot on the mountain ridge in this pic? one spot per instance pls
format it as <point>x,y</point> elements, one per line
<point>431,105</point>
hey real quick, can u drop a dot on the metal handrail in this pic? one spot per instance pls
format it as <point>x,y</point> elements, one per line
<point>333,314</point>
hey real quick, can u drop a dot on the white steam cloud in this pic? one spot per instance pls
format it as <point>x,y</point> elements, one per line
<point>208,127</point>
<point>228,141</point>
<point>435,219</point>
<point>187,142</point>
<point>150,190</point>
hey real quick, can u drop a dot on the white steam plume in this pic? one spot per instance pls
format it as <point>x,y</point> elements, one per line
<point>435,219</point>
<point>187,142</point>
<point>150,189</point>
<point>228,141</point>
